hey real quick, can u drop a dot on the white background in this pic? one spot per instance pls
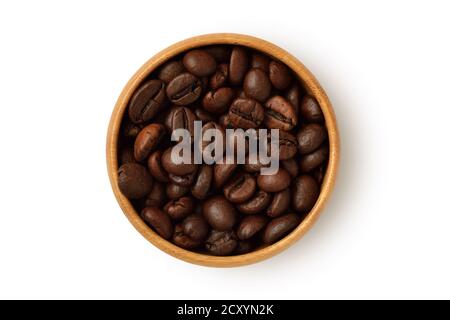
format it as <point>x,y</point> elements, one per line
<point>386,68</point>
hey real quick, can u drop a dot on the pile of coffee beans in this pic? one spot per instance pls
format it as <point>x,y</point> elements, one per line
<point>222,209</point>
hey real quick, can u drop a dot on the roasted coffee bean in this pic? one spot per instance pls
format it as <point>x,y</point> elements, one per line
<point>250,226</point>
<point>305,192</point>
<point>238,65</point>
<point>219,213</point>
<point>203,182</point>
<point>256,204</point>
<point>184,89</point>
<point>245,246</point>
<point>218,130</point>
<point>291,166</point>
<point>310,110</point>
<point>180,118</point>
<point>169,162</point>
<point>310,137</point>
<point>170,70</point>
<point>280,114</point>
<point>221,243</point>
<point>186,180</point>
<point>155,167</point>
<point>254,167</point>
<point>225,122</point>
<point>279,204</point>
<point>181,239</point>
<point>158,220</point>
<point>147,140</point>
<point>203,115</point>
<point>293,96</point>
<point>220,53</point>
<point>240,93</point>
<point>223,171</point>
<point>312,160</point>
<point>274,183</point>
<point>134,180</point>
<point>200,63</point>
<point>240,188</point>
<point>260,61</point>
<point>218,101</point>
<point>246,113</point>
<point>280,227</point>
<point>127,155</point>
<point>156,197</point>
<point>257,85</point>
<point>130,130</point>
<point>195,227</point>
<point>220,77</point>
<point>175,191</point>
<point>287,145</point>
<point>179,208</point>
<point>279,75</point>
<point>147,101</point>
<point>319,174</point>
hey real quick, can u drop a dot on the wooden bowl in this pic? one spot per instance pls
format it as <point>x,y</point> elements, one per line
<point>311,85</point>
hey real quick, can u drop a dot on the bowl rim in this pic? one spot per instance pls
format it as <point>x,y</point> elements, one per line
<point>311,85</point>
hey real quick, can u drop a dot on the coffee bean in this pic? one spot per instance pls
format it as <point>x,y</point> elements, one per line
<point>184,89</point>
<point>310,137</point>
<point>310,110</point>
<point>257,85</point>
<point>279,204</point>
<point>217,130</point>
<point>170,70</point>
<point>319,174</point>
<point>225,122</point>
<point>220,77</point>
<point>155,167</point>
<point>175,191</point>
<point>147,140</point>
<point>280,227</point>
<point>293,96</point>
<point>219,213</point>
<point>180,118</point>
<point>218,101</point>
<point>313,160</point>
<point>245,246</point>
<point>181,239</point>
<point>256,204</point>
<point>147,101</point>
<point>180,208</point>
<point>157,196</point>
<point>291,166</point>
<point>274,183</point>
<point>238,65</point>
<point>168,160</point>
<point>127,155</point>
<point>221,243</point>
<point>195,227</point>
<point>203,182</point>
<point>260,61</point>
<point>305,192</point>
<point>130,130</point>
<point>287,145</point>
<point>222,171</point>
<point>200,63</point>
<point>240,188</point>
<point>250,226</point>
<point>186,180</point>
<point>254,167</point>
<point>220,53</point>
<point>280,114</point>
<point>279,75</point>
<point>246,113</point>
<point>158,220</point>
<point>203,115</point>
<point>134,180</point>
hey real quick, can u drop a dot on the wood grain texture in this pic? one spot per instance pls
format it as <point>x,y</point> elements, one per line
<point>308,81</point>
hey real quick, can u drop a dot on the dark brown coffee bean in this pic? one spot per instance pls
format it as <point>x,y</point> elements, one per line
<point>245,246</point>
<point>240,93</point>
<point>291,166</point>
<point>312,160</point>
<point>168,161</point>
<point>225,122</point>
<point>280,114</point>
<point>246,113</point>
<point>186,180</point>
<point>310,110</point>
<point>293,96</point>
<point>184,89</point>
<point>279,204</point>
<point>221,243</point>
<point>156,197</point>
<point>279,75</point>
<point>130,130</point>
<point>275,182</point>
<point>180,118</point>
<point>220,77</point>
<point>240,188</point>
<point>203,115</point>
<point>195,227</point>
<point>250,226</point>
<point>218,131</point>
<point>181,239</point>
<point>220,53</point>
<point>147,101</point>
<point>155,167</point>
<point>305,192</point>
<point>310,137</point>
<point>287,145</point>
<point>223,171</point>
<point>147,140</point>
<point>127,155</point>
<point>260,61</point>
<point>175,191</point>
<point>257,85</point>
<point>158,220</point>
<point>203,182</point>
<point>256,204</point>
<point>319,173</point>
<point>280,227</point>
<point>170,70</point>
<point>199,62</point>
<point>218,101</point>
<point>134,180</point>
<point>219,213</point>
<point>238,65</point>
<point>254,167</point>
<point>179,208</point>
